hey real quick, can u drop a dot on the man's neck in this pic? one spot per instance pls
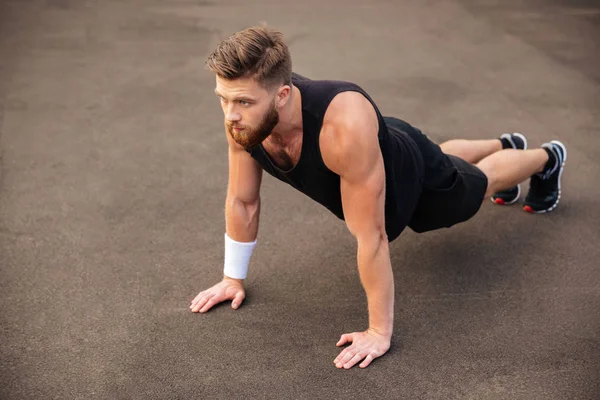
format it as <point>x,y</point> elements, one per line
<point>290,119</point>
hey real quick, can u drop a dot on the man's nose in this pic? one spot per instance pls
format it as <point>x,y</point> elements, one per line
<point>231,114</point>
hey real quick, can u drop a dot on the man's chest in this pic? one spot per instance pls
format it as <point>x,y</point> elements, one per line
<point>285,155</point>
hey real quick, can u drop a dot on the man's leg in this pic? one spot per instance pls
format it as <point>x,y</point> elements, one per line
<point>471,151</point>
<point>474,151</point>
<point>544,165</point>
<point>507,168</point>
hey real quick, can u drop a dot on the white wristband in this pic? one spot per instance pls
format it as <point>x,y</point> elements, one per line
<point>237,257</point>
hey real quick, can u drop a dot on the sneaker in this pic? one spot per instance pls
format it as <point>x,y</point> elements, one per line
<point>510,196</point>
<point>544,188</point>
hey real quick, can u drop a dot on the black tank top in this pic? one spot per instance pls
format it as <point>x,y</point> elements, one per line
<point>402,159</point>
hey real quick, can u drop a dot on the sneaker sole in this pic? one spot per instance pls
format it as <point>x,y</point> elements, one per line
<point>560,172</point>
<point>502,202</point>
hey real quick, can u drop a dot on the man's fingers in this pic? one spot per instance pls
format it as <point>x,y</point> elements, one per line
<point>196,307</point>
<point>350,354</point>
<point>338,360</point>
<point>237,300</point>
<point>345,338</point>
<point>345,356</point>
<point>357,357</point>
<point>197,298</point>
<point>211,302</point>
<point>367,361</point>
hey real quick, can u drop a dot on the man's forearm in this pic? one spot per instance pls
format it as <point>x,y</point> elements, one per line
<point>241,219</point>
<point>377,278</point>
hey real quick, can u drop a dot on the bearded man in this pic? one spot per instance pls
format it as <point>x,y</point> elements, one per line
<point>379,174</point>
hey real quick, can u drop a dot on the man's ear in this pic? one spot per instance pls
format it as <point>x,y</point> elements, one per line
<point>283,95</point>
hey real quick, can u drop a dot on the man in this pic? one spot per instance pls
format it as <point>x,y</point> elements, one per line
<point>328,140</point>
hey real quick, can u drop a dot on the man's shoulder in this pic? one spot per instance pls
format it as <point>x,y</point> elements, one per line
<point>349,123</point>
<point>349,110</point>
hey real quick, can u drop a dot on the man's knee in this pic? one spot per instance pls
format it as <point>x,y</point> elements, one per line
<point>488,171</point>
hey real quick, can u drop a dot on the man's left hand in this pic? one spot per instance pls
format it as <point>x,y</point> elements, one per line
<point>365,346</point>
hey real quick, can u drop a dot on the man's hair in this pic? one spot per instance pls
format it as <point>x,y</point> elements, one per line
<point>256,52</point>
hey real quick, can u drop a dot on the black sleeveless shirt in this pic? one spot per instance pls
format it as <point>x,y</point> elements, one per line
<point>402,159</point>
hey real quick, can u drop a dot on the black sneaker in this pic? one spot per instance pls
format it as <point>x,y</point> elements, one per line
<point>510,196</point>
<point>544,188</point>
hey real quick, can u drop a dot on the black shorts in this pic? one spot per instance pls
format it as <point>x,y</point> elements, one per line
<point>453,189</point>
<point>456,199</point>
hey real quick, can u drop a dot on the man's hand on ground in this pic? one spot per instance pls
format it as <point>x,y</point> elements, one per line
<point>227,289</point>
<point>365,346</point>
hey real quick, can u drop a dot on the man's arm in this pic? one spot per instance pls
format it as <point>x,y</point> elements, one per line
<point>350,148</point>
<point>242,206</point>
<point>242,210</point>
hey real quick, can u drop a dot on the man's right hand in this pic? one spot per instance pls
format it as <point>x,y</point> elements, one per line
<point>227,289</point>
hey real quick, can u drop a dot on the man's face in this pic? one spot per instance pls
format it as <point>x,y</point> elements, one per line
<point>250,110</point>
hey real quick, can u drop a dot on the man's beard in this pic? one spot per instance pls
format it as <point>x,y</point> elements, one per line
<point>249,137</point>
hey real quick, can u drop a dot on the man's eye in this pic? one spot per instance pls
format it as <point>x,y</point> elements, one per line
<point>244,103</point>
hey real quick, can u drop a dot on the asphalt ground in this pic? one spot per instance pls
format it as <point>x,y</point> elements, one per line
<point>112,187</point>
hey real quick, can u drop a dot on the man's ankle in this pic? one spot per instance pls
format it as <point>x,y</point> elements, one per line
<point>551,163</point>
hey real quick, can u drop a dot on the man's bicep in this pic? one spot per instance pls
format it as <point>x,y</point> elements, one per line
<point>245,175</point>
<point>362,186</point>
<point>350,148</point>
<point>363,200</point>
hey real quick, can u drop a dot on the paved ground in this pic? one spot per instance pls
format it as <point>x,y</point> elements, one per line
<point>113,178</point>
